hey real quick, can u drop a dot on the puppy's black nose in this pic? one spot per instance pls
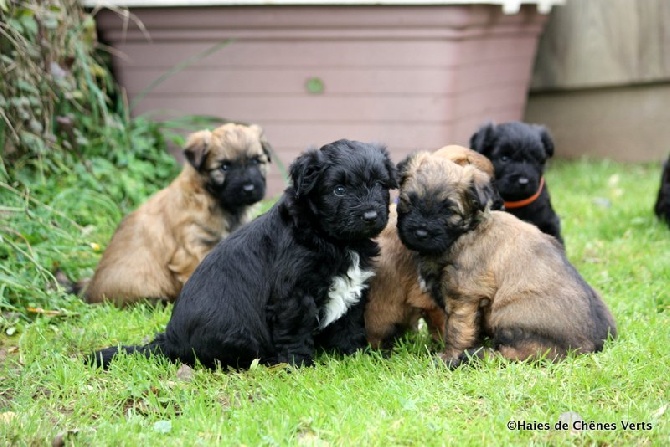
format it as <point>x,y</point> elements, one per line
<point>421,234</point>
<point>370,216</point>
<point>523,181</point>
<point>248,187</point>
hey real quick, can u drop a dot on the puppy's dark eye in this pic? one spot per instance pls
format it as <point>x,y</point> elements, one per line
<point>504,158</point>
<point>224,166</point>
<point>339,190</point>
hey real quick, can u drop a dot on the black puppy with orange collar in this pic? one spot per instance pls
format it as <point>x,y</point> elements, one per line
<point>519,153</point>
<point>662,205</point>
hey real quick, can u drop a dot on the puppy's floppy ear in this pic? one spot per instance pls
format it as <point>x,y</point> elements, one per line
<point>265,145</point>
<point>197,147</point>
<point>267,149</point>
<point>390,168</point>
<point>402,168</point>
<point>497,203</point>
<point>482,140</point>
<point>480,193</point>
<point>306,170</point>
<point>547,142</point>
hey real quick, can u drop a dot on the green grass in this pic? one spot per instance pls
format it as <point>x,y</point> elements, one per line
<point>46,392</point>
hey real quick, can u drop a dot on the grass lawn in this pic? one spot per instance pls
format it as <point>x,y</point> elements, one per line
<point>48,395</point>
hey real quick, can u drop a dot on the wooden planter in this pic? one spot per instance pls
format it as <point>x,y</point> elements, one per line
<point>412,77</point>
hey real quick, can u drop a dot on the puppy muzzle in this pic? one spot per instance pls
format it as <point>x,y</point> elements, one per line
<point>241,192</point>
<point>424,240</point>
<point>518,186</point>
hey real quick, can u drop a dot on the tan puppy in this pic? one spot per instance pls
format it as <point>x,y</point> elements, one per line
<point>464,156</point>
<point>156,248</point>
<point>496,275</point>
<point>396,299</point>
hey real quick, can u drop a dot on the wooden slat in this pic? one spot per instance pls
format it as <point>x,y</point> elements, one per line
<point>405,80</point>
<point>289,138</point>
<point>362,108</point>
<point>328,54</point>
<point>289,18</point>
<point>599,43</point>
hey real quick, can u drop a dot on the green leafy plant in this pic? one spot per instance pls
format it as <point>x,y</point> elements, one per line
<point>51,72</point>
<point>74,161</point>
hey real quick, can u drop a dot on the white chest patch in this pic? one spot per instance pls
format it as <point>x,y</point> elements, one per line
<point>345,291</point>
<point>422,283</point>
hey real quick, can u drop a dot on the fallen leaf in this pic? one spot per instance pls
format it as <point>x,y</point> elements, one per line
<point>569,418</point>
<point>62,279</point>
<point>60,438</point>
<point>309,438</point>
<point>613,180</point>
<point>7,416</point>
<point>280,367</point>
<point>185,373</point>
<point>660,412</point>
<point>39,310</point>
<point>5,352</point>
<point>163,426</point>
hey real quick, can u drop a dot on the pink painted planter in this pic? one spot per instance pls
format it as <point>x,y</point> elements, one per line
<point>412,77</point>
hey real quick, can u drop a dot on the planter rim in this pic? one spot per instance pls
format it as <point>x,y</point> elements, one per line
<point>509,6</point>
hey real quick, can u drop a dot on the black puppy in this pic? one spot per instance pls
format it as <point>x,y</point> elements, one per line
<point>519,153</point>
<point>292,280</point>
<point>662,206</point>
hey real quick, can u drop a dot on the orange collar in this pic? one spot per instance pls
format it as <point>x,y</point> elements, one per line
<point>528,201</point>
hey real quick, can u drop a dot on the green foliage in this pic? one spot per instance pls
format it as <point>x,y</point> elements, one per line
<point>51,77</point>
<point>59,211</point>
<point>73,161</point>
<point>59,220</point>
<point>57,94</point>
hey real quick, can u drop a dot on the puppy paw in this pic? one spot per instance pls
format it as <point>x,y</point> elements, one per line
<point>453,359</point>
<point>296,361</point>
<point>450,361</point>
